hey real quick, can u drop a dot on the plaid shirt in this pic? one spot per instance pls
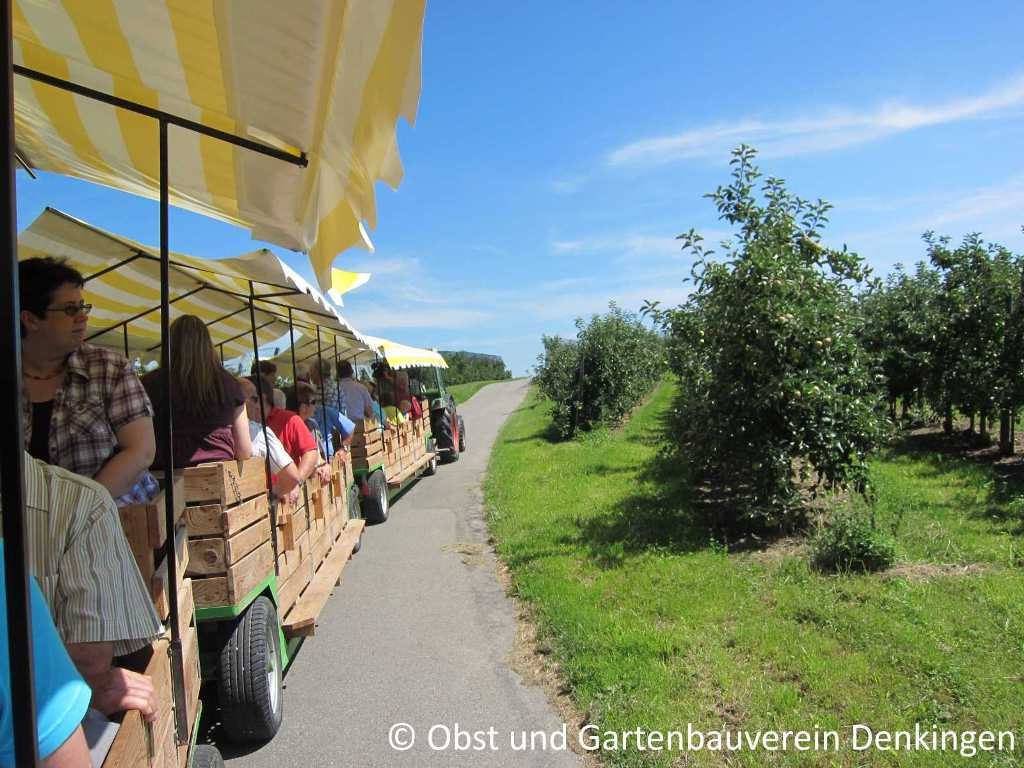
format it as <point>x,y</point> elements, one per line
<point>99,395</point>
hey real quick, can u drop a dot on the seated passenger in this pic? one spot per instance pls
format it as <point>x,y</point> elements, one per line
<point>295,437</point>
<point>83,408</point>
<point>284,474</point>
<point>328,418</point>
<point>99,602</point>
<point>323,420</point>
<point>62,697</point>
<point>210,422</point>
<point>268,371</point>
<point>359,404</point>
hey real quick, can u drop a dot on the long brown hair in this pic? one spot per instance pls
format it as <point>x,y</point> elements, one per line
<point>196,378</point>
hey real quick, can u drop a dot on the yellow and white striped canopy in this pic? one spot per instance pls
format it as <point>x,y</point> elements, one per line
<point>123,284</point>
<point>404,356</point>
<point>343,281</point>
<point>329,78</point>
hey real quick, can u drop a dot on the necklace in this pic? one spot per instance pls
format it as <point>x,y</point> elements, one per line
<point>53,375</point>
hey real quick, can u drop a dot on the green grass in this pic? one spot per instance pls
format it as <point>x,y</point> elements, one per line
<point>655,626</point>
<point>462,392</point>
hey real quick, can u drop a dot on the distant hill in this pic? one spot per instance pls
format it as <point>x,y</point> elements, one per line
<point>466,366</point>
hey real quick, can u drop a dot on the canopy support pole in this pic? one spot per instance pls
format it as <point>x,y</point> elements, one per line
<point>165,118</point>
<point>126,352</point>
<point>263,420</point>
<point>328,435</point>
<point>337,376</point>
<point>12,489</point>
<point>177,665</point>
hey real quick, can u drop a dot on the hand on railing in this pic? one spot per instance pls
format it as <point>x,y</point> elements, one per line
<point>121,690</point>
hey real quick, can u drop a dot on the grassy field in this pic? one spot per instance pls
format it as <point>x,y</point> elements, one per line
<point>654,626</point>
<point>462,392</point>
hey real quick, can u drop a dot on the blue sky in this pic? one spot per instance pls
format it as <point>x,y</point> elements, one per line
<point>560,147</point>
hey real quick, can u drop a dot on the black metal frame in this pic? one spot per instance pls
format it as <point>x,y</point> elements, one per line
<point>11,462</point>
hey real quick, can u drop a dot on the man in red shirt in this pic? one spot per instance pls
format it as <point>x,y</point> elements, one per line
<point>296,438</point>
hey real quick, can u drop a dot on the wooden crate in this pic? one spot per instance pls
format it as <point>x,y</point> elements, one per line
<point>321,545</point>
<point>289,561</point>
<point>139,744</point>
<point>226,520</point>
<point>145,527</point>
<point>193,680</point>
<point>216,554</point>
<point>225,482</point>
<point>238,581</point>
<point>186,606</point>
<point>288,593</point>
<point>293,526</point>
<point>365,426</point>
<point>158,581</point>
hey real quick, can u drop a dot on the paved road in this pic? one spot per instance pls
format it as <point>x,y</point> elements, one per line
<point>418,633</point>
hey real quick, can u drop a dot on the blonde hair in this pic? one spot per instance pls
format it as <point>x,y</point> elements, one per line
<point>196,378</point>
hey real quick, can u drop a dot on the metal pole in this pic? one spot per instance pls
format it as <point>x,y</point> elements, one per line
<point>12,490</point>
<point>221,348</point>
<point>177,667</point>
<point>263,421</point>
<point>125,329</point>
<point>295,392</point>
<point>328,448</point>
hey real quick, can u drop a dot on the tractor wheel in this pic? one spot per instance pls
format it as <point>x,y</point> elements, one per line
<point>205,756</point>
<point>444,435</point>
<point>375,506</point>
<point>354,512</point>
<point>462,435</point>
<point>249,683</point>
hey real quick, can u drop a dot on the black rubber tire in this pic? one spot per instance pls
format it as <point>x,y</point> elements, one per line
<point>354,512</point>
<point>205,756</point>
<point>375,506</point>
<point>441,428</point>
<point>462,435</point>
<point>245,693</point>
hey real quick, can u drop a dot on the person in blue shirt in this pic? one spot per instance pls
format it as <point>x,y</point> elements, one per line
<point>62,696</point>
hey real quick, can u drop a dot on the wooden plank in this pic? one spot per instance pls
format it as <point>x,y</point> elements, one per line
<point>289,561</point>
<point>409,470</point>
<point>289,592</point>
<point>186,607</point>
<point>135,524</point>
<point>317,502</point>
<point>366,425</point>
<point>156,515</point>
<point>222,520</point>
<point>302,618</point>
<point>239,580</point>
<point>321,546</point>
<point>129,748</point>
<point>225,482</point>
<point>158,583</point>
<point>215,554</point>
<point>193,681</point>
<point>362,451</point>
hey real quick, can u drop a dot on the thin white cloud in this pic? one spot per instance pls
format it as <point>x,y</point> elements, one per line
<point>835,129</point>
<point>568,185</point>
<point>403,316</point>
<point>631,246</point>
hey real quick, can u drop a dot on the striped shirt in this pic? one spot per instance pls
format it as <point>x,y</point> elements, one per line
<point>81,559</point>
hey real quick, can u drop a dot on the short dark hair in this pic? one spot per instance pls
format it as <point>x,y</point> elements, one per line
<point>344,369</point>
<point>39,279</point>
<point>265,368</point>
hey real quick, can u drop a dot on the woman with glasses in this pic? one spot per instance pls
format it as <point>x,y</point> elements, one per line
<point>83,408</point>
<point>210,422</point>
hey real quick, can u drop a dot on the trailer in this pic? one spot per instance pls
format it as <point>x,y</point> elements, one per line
<point>185,102</point>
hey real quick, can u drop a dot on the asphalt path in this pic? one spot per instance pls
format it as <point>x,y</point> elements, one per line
<point>419,633</point>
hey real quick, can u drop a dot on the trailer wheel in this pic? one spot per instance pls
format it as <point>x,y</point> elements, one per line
<point>375,505</point>
<point>354,513</point>
<point>249,684</point>
<point>462,435</point>
<point>205,756</point>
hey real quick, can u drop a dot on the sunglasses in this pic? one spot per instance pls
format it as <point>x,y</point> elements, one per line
<point>72,310</point>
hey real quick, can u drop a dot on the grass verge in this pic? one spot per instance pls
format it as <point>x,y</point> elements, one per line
<point>654,626</point>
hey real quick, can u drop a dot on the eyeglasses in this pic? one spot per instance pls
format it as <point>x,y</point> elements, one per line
<point>72,310</point>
